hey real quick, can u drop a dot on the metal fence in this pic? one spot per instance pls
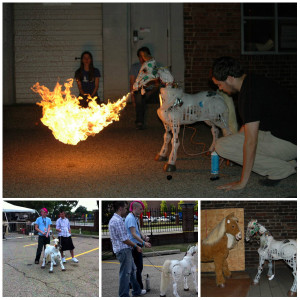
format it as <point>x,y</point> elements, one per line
<point>156,221</point>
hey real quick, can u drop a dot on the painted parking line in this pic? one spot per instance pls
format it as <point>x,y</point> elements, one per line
<point>117,263</point>
<point>37,243</point>
<point>83,253</point>
<point>112,262</point>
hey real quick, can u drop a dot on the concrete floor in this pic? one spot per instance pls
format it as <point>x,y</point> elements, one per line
<point>116,163</point>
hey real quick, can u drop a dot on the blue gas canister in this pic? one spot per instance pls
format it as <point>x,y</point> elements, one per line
<point>214,166</point>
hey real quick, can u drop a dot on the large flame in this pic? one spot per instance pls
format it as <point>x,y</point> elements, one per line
<point>69,122</point>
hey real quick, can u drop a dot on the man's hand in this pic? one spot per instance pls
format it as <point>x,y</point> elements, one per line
<point>147,245</point>
<point>139,249</point>
<point>237,185</point>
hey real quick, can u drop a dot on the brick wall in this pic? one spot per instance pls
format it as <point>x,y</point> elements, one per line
<point>279,217</point>
<point>212,30</point>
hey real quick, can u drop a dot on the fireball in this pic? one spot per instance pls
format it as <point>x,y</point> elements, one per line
<point>70,123</point>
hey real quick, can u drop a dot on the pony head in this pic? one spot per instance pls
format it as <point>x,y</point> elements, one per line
<point>232,227</point>
<point>252,229</point>
<point>165,76</point>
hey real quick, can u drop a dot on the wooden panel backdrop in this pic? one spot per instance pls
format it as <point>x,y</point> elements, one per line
<point>212,217</point>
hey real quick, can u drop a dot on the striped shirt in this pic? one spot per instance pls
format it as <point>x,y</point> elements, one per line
<point>118,233</point>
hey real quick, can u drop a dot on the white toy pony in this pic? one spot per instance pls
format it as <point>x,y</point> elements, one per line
<point>178,108</point>
<point>175,269</point>
<point>52,255</point>
<point>270,249</point>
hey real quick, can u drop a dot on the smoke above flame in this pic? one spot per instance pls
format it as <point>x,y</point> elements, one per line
<point>70,123</point>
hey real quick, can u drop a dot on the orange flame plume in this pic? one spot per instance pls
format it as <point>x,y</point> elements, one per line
<point>71,123</point>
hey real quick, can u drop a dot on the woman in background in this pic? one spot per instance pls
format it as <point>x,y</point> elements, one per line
<point>87,77</point>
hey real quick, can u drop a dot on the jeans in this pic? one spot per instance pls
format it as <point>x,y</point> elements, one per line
<point>42,241</point>
<point>127,274</point>
<point>138,260</point>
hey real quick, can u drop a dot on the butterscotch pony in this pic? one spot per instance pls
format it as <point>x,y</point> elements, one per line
<point>217,245</point>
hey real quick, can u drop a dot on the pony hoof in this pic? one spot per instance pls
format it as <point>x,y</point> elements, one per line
<point>292,294</point>
<point>42,267</point>
<point>50,271</point>
<point>160,158</point>
<point>169,168</point>
<point>162,295</point>
<point>186,289</point>
<point>222,285</point>
<point>254,283</point>
<point>63,269</point>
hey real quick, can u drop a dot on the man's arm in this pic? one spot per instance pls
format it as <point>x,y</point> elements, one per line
<point>133,232</point>
<point>249,152</point>
<point>130,243</point>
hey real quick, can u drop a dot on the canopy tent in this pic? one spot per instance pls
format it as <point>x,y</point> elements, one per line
<point>9,208</point>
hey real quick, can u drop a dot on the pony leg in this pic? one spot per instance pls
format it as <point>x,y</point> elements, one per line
<point>215,135</point>
<point>194,275</point>
<point>260,269</point>
<point>226,270</point>
<point>219,261</point>
<point>270,270</point>
<point>51,265</point>
<point>44,263</point>
<point>162,155</point>
<point>293,290</point>
<point>175,293</point>
<point>170,166</point>
<point>185,284</point>
<point>61,264</point>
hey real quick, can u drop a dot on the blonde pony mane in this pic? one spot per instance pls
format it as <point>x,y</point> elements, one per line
<point>218,232</point>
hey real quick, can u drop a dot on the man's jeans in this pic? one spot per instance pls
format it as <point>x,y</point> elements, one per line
<point>127,274</point>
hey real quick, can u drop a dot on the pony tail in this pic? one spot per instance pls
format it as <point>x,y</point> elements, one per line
<point>165,277</point>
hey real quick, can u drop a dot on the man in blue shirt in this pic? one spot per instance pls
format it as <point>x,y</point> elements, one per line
<point>42,226</point>
<point>122,248</point>
<point>132,225</point>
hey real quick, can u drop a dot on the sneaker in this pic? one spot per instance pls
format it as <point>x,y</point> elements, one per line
<point>143,292</point>
<point>63,260</point>
<point>75,260</point>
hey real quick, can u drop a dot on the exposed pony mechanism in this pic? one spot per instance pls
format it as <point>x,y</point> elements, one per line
<point>174,270</point>
<point>52,255</point>
<point>215,248</point>
<point>270,250</point>
<point>178,108</point>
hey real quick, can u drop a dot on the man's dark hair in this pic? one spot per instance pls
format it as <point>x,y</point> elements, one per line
<point>118,204</point>
<point>226,66</point>
<point>144,49</point>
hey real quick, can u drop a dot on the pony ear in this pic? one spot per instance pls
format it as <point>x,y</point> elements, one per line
<point>230,215</point>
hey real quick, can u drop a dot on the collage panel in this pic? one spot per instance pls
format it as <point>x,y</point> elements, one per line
<point>50,247</point>
<point>155,242</point>
<point>248,248</point>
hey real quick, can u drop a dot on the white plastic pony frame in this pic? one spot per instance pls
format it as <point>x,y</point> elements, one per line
<point>178,108</point>
<point>175,269</point>
<point>270,249</point>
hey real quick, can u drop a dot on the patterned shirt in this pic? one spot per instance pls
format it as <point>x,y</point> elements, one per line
<point>118,233</point>
<point>148,72</point>
<point>64,225</point>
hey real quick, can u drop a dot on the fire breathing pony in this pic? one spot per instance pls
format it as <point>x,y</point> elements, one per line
<point>215,248</point>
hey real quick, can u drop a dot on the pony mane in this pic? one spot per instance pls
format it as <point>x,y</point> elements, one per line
<point>216,234</point>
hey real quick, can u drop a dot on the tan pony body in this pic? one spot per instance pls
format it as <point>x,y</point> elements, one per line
<point>217,245</point>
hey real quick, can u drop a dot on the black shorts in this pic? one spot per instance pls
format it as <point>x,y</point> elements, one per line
<point>66,243</point>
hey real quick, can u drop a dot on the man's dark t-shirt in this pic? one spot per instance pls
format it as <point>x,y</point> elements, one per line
<point>261,99</point>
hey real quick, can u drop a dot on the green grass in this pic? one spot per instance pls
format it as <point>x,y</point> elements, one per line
<point>183,247</point>
<point>85,232</point>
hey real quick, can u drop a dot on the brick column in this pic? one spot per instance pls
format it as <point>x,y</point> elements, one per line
<point>188,221</point>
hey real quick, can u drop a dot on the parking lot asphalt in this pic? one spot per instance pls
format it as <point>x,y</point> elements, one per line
<point>153,267</point>
<point>23,278</point>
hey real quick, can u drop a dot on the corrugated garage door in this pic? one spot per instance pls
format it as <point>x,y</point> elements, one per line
<point>48,37</point>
